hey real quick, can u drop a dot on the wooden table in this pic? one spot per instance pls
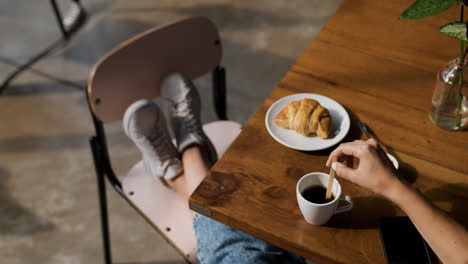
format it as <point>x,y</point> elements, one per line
<point>382,71</point>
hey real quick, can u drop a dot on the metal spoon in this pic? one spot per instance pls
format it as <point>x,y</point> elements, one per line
<point>363,128</point>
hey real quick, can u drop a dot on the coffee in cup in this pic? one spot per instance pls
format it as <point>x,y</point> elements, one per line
<point>310,192</point>
<point>316,194</point>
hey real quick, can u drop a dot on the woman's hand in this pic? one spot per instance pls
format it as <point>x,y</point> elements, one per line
<point>375,171</point>
<point>447,238</point>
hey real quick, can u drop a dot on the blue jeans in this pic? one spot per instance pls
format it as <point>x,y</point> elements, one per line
<point>218,243</point>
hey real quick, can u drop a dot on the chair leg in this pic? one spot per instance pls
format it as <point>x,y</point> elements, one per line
<point>59,18</point>
<point>72,20</point>
<point>28,64</point>
<point>219,92</point>
<point>102,201</point>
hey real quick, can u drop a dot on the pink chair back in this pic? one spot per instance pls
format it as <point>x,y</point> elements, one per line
<point>134,69</point>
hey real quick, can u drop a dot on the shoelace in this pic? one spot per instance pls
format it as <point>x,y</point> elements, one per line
<point>183,110</point>
<point>159,139</point>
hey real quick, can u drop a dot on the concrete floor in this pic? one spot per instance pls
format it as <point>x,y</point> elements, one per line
<point>48,197</point>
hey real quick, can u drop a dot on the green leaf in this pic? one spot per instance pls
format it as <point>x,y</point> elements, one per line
<point>456,29</point>
<point>426,8</point>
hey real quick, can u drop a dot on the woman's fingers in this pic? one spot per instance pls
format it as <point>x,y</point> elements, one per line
<point>354,149</point>
<point>343,171</point>
<point>372,142</point>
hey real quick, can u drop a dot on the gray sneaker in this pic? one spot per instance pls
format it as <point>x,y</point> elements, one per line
<point>183,103</point>
<point>145,125</point>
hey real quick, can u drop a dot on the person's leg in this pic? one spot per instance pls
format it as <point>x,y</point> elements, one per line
<point>221,244</point>
<point>194,172</point>
<point>217,243</point>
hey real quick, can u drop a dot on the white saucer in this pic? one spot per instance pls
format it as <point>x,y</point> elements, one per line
<point>340,124</point>
<point>393,160</point>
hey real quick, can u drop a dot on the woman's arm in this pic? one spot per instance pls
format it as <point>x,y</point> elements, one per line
<point>447,238</point>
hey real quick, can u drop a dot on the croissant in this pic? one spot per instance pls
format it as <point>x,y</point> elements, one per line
<point>306,117</point>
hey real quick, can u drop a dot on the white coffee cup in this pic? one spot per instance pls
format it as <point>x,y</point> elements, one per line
<point>319,214</point>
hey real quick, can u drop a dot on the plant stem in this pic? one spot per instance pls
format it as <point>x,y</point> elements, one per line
<point>460,85</point>
<point>460,79</point>
<point>461,41</point>
<point>461,12</point>
<point>464,54</point>
<point>460,97</point>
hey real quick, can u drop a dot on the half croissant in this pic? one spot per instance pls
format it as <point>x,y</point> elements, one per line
<point>306,117</point>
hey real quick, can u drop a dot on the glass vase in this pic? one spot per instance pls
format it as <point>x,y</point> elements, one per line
<point>449,104</point>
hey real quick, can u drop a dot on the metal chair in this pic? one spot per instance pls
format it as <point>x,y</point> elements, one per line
<point>131,71</point>
<point>68,24</point>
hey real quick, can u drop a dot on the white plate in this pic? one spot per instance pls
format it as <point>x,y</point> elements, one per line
<point>290,138</point>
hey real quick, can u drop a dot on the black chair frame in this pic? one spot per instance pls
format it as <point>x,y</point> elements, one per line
<point>66,35</point>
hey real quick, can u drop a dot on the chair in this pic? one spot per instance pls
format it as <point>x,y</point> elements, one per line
<point>131,71</point>
<point>68,24</point>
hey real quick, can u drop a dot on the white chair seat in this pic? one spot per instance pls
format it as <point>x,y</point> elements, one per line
<point>162,206</point>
